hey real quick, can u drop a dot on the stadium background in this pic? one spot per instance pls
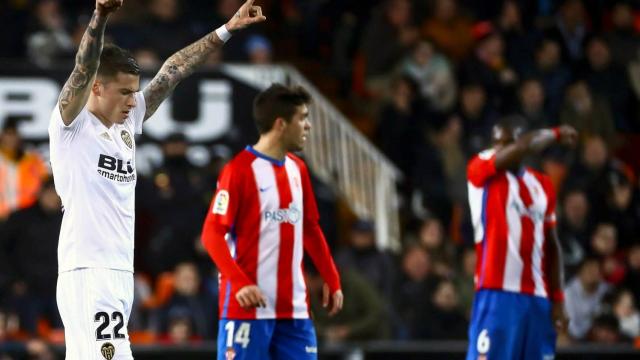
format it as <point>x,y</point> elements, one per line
<point>424,80</point>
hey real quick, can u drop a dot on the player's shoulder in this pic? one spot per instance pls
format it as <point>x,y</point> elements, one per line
<point>240,162</point>
<point>297,160</point>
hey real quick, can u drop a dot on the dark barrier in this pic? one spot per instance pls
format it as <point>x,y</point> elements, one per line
<point>377,350</point>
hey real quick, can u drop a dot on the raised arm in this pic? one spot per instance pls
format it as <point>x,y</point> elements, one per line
<point>533,142</point>
<point>76,90</point>
<point>184,62</point>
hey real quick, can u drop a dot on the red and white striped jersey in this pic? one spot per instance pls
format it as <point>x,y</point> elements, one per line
<point>511,214</point>
<point>268,212</point>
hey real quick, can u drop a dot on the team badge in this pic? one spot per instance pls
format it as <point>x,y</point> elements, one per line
<point>221,203</point>
<point>124,134</point>
<point>230,354</point>
<point>108,351</point>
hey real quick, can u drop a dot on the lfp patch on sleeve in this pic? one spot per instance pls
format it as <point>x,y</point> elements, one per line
<point>221,203</point>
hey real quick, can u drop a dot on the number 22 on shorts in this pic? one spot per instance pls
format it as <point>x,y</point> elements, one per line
<point>241,335</point>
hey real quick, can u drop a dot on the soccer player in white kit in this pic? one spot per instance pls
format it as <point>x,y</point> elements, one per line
<point>92,144</point>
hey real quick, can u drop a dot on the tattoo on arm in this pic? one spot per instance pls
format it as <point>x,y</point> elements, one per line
<point>75,92</point>
<point>176,68</point>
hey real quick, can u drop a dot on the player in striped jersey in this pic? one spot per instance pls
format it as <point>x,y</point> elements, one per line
<point>262,218</point>
<point>518,276</point>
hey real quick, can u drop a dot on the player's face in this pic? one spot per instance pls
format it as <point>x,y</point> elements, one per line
<point>116,96</point>
<point>503,136</point>
<point>297,130</point>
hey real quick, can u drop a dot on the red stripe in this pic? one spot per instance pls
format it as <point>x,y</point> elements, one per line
<point>496,234</point>
<point>527,285</point>
<point>247,229</point>
<point>476,281</point>
<point>543,264</point>
<point>284,300</point>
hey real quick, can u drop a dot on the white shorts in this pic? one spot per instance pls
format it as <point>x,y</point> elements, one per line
<point>95,305</point>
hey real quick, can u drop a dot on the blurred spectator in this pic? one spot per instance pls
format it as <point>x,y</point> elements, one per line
<point>432,72</point>
<point>147,59</point>
<point>167,31</point>
<point>361,318</point>
<point>583,297</point>
<point>626,311</point>
<point>570,30</point>
<point>432,236</point>
<point>259,50</point>
<point>488,66</point>
<point>48,39</point>
<point>588,114</point>
<point>519,39</point>
<point>449,30</point>
<point>478,117</point>
<point>415,284</point>
<point>189,313</point>
<point>554,75</point>
<point>531,98</point>
<point>632,277</point>
<point>604,243</point>
<point>438,171</point>
<point>363,256</point>
<point>609,81</point>
<point>388,36</point>
<point>21,171</point>
<point>398,123</point>
<point>605,330</point>
<point>177,206</point>
<point>443,318</point>
<point>623,207</point>
<point>623,38</point>
<point>464,282</point>
<point>33,291</point>
<point>573,227</point>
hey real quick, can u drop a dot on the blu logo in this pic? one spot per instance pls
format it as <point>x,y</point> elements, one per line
<point>110,163</point>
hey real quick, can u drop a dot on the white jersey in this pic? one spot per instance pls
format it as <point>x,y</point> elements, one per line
<point>95,175</point>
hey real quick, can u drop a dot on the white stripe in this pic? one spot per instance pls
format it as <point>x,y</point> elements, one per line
<point>513,263</point>
<point>475,204</point>
<point>299,288</point>
<point>268,251</point>
<point>539,205</point>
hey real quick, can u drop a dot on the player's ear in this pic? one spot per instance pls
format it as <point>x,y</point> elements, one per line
<point>97,87</point>
<point>280,124</point>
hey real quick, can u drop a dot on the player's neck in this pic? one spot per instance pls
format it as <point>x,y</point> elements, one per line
<point>270,146</point>
<point>92,106</point>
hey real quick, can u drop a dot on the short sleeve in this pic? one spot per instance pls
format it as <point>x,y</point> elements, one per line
<point>226,199</point>
<point>481,168</point>
<point>138,113</point>
<point>62,134</point>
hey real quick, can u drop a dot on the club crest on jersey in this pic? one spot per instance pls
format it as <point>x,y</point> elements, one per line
<point>108,351</point>
<point>221,203</point>
<point>126,137</point>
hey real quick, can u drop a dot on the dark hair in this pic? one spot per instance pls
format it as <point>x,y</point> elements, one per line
<point>115,59</point>
<point>277,101</point>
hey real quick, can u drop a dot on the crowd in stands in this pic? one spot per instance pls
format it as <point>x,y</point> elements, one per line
<point>431,77</point>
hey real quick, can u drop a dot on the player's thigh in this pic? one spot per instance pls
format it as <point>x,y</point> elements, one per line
<point>294,339</point>
<point>94,305</point>
<point>540,343</point>
<point>495,331</point>
<point>244,339</point>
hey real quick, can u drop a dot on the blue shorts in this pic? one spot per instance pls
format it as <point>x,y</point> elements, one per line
<point>267,339</point>
<point>506,325</point>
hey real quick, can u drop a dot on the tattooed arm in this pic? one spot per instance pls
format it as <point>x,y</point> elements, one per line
<point>184,62</point>
<point>76,90</point>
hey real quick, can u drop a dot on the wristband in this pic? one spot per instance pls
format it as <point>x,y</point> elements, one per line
<point>223,33</point>
<point>556,133</point>
<point>557,296</point>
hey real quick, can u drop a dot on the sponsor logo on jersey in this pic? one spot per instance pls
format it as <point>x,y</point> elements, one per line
<point>291,215</point>
<point>108,351</point>
<point>126,137</point>
<point>115,169</point>
<point>221,203</point>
